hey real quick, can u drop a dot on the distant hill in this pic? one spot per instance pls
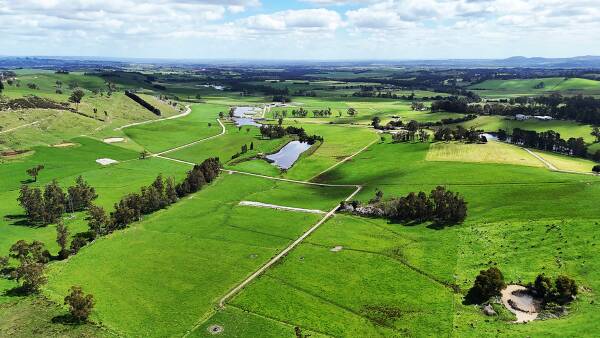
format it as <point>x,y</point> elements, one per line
<point>74,62</point>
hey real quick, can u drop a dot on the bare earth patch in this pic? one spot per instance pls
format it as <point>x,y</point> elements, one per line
<point>337,248</point>
<point>106,161</point>
<point>114,140</point>
<point>518,301</point>
<point>215,329</point>
<point>64,145</point>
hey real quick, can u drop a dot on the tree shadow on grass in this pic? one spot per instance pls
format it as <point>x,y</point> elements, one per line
<point>66,319</point>
<point>18,291</point>
<point>21,220</point>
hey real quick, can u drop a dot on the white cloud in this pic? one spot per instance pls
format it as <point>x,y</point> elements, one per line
<point>291,20</point>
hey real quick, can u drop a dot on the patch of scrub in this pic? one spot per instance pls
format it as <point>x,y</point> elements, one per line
<point>519,301</point>
<point>106,161</point>
<point>279,207</point>
<point>289,154</point>
<point>114,140</point>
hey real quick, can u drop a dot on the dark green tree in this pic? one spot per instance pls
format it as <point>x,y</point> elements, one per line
<point>81,195</point>
<point>80,304</point>
<point>54,202</point>
<point>76,97</point>
<point>97,220</point>
<point>35,171</point>
<point>489,283</point>
<point>62,238</point>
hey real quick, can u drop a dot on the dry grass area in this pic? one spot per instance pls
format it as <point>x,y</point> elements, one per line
<point>491,152</point>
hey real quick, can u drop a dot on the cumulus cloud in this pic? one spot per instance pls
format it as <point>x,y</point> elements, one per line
<point>346,27</point>
<point>302,20</point>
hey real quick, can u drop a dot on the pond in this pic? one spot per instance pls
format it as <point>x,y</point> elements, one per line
<point>288,155</point>
<point>490,137</point>
<point>244,116</point>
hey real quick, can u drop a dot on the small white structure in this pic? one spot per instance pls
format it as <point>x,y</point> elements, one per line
<point>543,117</point>
<point>106,161</point>
<point>521,117</point>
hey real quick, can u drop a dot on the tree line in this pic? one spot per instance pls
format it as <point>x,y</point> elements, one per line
<point>584,109</point>
<point>441,206</point>
<point>459,134</point>
<point>549,140</point>
<point>277,131</point>
<point>142,102</point>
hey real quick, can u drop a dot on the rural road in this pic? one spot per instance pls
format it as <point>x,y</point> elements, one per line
<point>187,111</point>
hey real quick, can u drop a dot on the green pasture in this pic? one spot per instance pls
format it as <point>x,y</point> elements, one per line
<point>162,275</point>
<point>518,87</point>
<point>522,219</point>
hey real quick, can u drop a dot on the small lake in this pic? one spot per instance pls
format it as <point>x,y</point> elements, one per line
<point>490,137</point>
<point>244,116</point>
<point>288,155</point>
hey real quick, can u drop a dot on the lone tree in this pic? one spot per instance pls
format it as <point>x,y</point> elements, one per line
<point>352,112</point>
<point>35,171</point>
<point>487,284</point>
<point>76,97</point>
<point>1,86</point>
<point>80,304</point>
<point>596,169</point>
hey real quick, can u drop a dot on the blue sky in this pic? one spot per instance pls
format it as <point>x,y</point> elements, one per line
<point>300,29</point>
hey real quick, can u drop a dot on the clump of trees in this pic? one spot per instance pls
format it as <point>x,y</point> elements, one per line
<point>459,134</point>
<point>277,131</point>
<point>489,283</point>
<point>561,291</point>
<point>47,207</point>
<point>80,304</point>
<point>441,206</point>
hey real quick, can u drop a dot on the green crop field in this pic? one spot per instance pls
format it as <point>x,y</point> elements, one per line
<point>568,86</point>
<point>209,265</point>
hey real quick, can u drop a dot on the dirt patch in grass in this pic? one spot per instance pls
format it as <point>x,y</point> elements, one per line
<point>64,145</point>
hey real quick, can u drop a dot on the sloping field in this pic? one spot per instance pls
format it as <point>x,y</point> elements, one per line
<point>491,152</point>
<point>394,280</point>
<point>163,274</point>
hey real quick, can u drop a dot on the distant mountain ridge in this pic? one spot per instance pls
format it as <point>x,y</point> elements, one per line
<point>72,62</point>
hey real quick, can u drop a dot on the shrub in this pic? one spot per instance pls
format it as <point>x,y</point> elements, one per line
<point>487,284</point>
<point>80,304</point>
